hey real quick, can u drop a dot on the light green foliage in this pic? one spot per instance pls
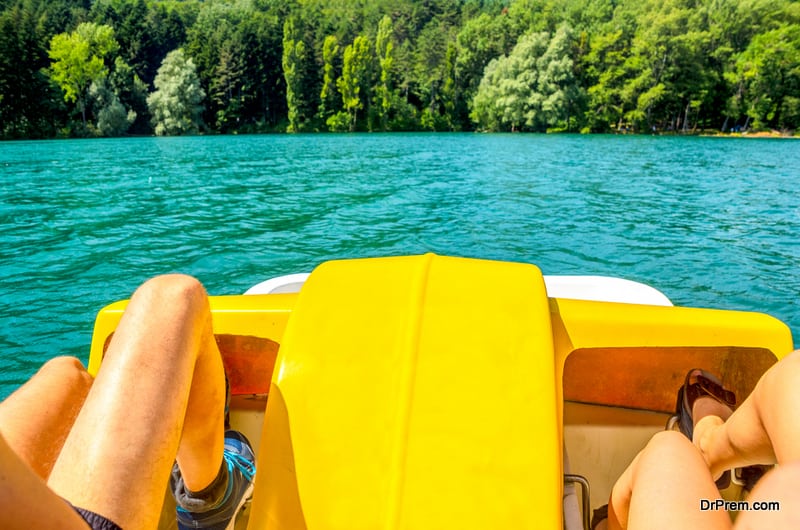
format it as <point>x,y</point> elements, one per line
<point>113,119</point>
<point>294,54</point>
<point>530,89</point>
<point>327,99</point>
<point>176,104</point>
<point>768,72</point>
<point>384,49</point>
<point>78,60</point>
<point>657,65</point>
<point>605,66</point>
<point>355,82</point>
<point>666,67</point>
<point>536,15</point>
<point>131,92</point>
<point>339,122</point>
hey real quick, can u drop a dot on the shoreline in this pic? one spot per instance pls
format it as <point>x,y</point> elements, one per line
<point>760,134</point>
<point>700,134</point>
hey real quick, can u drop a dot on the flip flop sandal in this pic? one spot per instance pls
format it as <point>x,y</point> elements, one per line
<point>748,476</point>
<point>598,516</point>
<point>700,383</point>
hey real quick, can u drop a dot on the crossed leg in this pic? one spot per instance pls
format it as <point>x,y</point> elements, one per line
<point>667,480</point>
<point>764,429</point>
<point>159,395</point>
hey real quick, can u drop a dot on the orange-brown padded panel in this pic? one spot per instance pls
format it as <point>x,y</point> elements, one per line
<point>648,378</point>
<point>249,362</point>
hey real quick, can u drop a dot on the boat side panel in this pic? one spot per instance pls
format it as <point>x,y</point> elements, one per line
<point>651,348</point>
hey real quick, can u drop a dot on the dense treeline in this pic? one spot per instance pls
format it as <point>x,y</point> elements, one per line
<point>114,67</point>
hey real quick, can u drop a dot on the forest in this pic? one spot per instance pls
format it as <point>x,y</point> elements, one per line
<point>83,68</point>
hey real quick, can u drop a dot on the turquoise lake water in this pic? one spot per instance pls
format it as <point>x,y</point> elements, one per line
<point>711,222</point>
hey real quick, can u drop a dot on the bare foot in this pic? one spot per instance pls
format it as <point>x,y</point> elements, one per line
<point>705,407</point>
<point>707,414</point>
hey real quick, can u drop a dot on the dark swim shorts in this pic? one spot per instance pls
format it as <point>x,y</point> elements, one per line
<point>96,521</point>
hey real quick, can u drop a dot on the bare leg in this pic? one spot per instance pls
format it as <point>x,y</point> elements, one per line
<point>25,501</point>
<point>779,485</point>
<point>160,392</point>
<point>765,427</point>
<point>36,419</point>
<point>663,487</point>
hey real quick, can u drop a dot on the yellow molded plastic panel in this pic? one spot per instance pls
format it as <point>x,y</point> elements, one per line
<point>598,324</point>
<point>408,396</point>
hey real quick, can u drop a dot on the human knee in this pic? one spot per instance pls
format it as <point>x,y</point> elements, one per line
<point>664,444</point>
<point>67,370</point>
<point>782,377</point>
<point>173,289</point>
<point>790,363</point>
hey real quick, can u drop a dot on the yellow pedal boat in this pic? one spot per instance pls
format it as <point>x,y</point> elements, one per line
<point>431,392</point>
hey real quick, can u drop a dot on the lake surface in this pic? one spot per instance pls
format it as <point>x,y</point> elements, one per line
<point>711,222</point>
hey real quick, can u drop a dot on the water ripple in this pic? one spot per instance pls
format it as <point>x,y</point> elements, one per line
<point>711,222</point>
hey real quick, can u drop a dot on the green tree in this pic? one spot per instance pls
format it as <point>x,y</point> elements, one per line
<point>263,80</point>
<point>536,15</point>
<point>327,97</point>
<point>227,86</point>
<point>606,76</point>
<point>176,104</point>
<point>29,105</point>
<point>431,69</point>
<point>557,84</point>
<point>479,41</point>
<point>113,119</point>
<point>768,72</point>
<point>79,60</point>
<point>384,50</point>
<point>533,88</point>
<point>355,82</point>
<point>295,56</point>
<point>145,32</point>
<point>237,50</point>
<point>132,95</point>
<point>668,81</point>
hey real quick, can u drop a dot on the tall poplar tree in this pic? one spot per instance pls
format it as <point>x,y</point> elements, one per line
<point>327,99</point>
<point>384,49</point>
<point>354,83</point>
<point>294,55</point>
